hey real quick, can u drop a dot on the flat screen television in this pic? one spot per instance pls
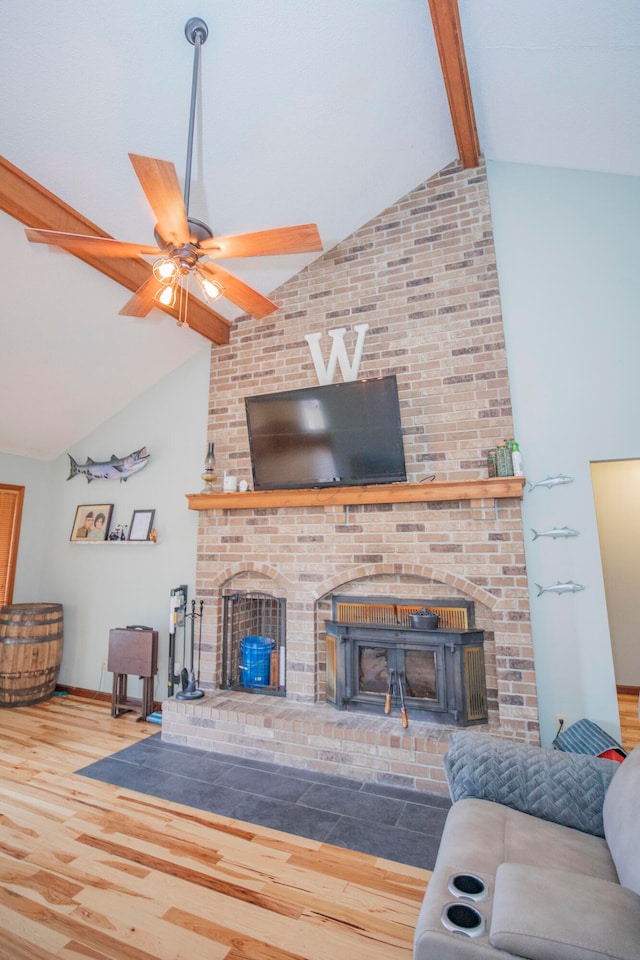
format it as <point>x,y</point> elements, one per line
<point>334,435</point>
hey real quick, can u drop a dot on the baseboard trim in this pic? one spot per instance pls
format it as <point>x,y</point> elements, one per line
<point>626,690</point>
<point>93,694</point>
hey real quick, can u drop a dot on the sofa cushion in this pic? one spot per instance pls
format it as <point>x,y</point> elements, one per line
<point>480,835</point>
<point>548,914</point>
<point>621,820</point>
<point>563,787</point>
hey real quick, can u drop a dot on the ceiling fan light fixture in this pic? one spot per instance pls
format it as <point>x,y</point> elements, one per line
<point>165,270</point>
<point>166,295</point>
<point>211,289</point>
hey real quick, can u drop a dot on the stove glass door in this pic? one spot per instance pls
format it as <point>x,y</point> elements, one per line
<point>418,669</point>
<point>420,675</point>
<point>373,669</point>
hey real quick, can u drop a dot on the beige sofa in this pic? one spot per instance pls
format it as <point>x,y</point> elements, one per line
<point>540,856</point>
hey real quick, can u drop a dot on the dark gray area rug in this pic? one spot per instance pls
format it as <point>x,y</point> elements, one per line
<point>383,821</point>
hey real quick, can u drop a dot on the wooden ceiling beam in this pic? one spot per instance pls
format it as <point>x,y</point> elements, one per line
<point>445,17</point>
<point>29,202</point>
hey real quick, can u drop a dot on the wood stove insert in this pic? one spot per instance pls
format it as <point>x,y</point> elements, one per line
<point>374,653</point>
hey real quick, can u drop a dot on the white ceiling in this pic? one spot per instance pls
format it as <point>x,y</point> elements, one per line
<point>309,110</point>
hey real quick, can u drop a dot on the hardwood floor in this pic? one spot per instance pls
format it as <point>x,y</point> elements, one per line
<point>629,722</point>
<point>89,871</point>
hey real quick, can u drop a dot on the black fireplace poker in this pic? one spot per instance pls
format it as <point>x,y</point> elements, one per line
<point>396,681</point>
<point>389,697</point>
<point>403,709</point>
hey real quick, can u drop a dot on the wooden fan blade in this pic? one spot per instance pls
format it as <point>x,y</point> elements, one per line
<point>98,246</point>
<point>143,299</point>
<point>27,201</point>
<point>159,180</point>
<point>302,238</point>
<point>239,293</point>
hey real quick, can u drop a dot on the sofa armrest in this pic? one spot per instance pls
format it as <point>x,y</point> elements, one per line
<point>549,914</point>
<point>567,788</point>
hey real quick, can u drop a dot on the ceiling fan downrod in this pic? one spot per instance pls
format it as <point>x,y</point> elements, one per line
<point>196,32</point>
<point>186,256</point>
<point>186,246</point>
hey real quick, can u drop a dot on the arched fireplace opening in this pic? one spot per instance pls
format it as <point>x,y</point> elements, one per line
<point>253,643</point>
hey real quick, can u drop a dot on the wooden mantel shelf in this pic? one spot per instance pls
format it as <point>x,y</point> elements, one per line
<point>480,489</point>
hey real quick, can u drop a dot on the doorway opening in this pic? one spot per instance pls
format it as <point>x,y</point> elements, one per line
<point>11,499</point>
<point>616,488</point>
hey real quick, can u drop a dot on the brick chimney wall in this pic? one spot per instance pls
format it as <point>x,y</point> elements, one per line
<point>423,276</point>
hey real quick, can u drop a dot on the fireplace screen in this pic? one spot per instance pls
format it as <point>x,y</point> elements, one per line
<point>253,648</point>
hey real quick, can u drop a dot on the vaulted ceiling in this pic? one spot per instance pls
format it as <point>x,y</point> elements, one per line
<point>308,111</point>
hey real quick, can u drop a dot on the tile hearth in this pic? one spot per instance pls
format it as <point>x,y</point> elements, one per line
<point>389,822</point>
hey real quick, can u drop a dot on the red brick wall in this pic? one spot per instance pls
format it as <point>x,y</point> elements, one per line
<point>423,276</point>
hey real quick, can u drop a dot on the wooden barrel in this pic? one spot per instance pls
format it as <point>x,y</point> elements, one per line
<point>31,638</point>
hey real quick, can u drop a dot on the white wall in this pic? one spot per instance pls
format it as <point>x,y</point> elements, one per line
<point>105,585</point>
<point>568,261</point>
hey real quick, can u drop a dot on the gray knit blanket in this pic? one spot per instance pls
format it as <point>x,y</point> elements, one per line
<point>566,788</point>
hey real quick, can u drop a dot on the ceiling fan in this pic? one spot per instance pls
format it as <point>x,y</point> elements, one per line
<point>185,246</point>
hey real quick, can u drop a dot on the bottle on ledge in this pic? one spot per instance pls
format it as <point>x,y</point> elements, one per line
<point>516,459</point>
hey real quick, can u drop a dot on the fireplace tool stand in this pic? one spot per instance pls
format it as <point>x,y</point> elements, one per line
<point>189,680</point>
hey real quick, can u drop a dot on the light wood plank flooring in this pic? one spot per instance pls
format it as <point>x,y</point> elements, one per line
<point>89,871</point>
<point>629,722</point>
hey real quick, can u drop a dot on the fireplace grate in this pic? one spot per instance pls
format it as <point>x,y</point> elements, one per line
<point>475,684</point>
<point>253,647</point>
<point>454,614</point>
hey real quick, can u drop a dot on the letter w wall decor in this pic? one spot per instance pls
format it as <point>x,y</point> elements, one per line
<point>338,354</point>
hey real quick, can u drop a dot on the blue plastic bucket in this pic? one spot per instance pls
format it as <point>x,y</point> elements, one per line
<point>255,661</point>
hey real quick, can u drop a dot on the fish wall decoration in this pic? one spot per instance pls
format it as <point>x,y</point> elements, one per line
<point>120,468</point>
<point>550,482</point>
<point>555,532</point>
<point>566,586</point>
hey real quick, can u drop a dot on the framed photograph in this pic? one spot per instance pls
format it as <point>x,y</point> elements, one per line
<point>92,521</point>
<point>141,524</point>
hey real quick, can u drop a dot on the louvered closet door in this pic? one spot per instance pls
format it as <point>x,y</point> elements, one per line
<point>11,498</point>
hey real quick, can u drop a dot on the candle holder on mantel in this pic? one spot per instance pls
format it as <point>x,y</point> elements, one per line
<point>209,474</point>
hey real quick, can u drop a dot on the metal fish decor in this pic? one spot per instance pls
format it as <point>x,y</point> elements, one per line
<point>555,532</point>
<point>566,586</point>
<point>550,482</point>
<point>117,467</point>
